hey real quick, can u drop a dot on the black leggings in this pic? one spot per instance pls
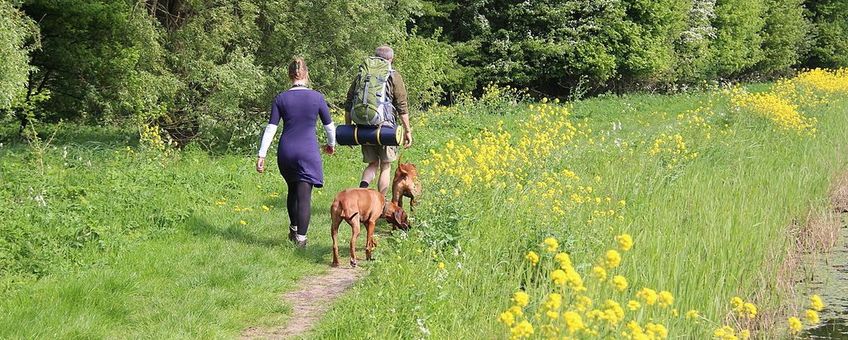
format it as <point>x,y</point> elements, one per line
<point>299,205</point>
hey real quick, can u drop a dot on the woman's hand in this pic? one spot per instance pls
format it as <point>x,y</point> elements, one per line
<point>329,149</point>
<point>260,165</point>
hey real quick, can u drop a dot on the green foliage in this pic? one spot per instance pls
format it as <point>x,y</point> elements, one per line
<point>99,59</point>
<point>649,53</point>
<point>693,45</point>
<point>737,47</point>
<point>830,33</point>
<point>428,67</point>
<point>784,35</point>
<point>18,37</point>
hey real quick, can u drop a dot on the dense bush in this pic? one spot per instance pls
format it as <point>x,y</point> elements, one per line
<point>830,33</point>
<point>737,47</point>
<point>99,59</point>
<point>15,32</point>
<point>784,35</point>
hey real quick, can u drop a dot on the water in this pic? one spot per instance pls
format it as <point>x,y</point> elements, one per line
<point>832,284</point>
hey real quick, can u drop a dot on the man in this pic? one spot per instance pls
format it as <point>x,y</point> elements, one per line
<point>381,157</point>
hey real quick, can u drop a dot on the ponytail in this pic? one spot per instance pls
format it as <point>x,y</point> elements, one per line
<point>298,69</point>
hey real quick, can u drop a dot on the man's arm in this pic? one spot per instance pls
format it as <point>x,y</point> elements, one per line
<point>401,102</point>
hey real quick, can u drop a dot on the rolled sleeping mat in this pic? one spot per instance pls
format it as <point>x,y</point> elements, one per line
<point>385,135</point>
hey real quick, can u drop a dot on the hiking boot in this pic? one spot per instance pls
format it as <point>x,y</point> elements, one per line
<point>300,243</point>
<point>293,234</point>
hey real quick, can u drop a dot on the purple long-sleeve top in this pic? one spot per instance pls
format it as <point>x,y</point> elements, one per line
<point>298,154</point>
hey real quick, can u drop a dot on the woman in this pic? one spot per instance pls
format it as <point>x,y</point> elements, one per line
<point>298,155</point>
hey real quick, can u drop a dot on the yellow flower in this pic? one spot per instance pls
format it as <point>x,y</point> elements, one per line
<point>816,303</point>
<point>750,310</point>
<point>552,244</point>
<point>625,242</point>
<point>634,328</point>
<point>738,304</point>
<point>745,334</point>
<point>242,222</point>
<point>564,260</point>
<point>648,295</point>
<point>599,273</point>
<point>521,299</point>
<point>522,330</point>
<point>795,325</point>
<point>656,331</point>
<point>812,317</point>
<point>559,277</point>
<point>441,265</point>
<point>666,299</point>
<point>532,257</point>
<point>507,318</point>
<point>265,208</point>
<point>573,322</point>
<point>619,282</point>
<point>516,310</point>
<point>693,314</point>
<point>633,305</point>
<point>725,333</point>
<point>612,258</point>
<point>554,301</point>
<point>613,312</point>
<point>583,303</point>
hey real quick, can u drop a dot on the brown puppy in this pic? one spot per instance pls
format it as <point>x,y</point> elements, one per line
<point>405,184</point>
<point>357,206</point>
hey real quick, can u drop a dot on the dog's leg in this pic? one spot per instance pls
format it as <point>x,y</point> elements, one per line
<point>370,244</point>
<point>334,233</point>
<point>354,225</point>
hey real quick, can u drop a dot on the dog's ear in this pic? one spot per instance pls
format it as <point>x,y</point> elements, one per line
<point>401,219</point>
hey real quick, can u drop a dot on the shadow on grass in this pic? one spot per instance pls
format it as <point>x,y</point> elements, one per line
<point>317,209</point>
<point>200,227</point>
<point>73,134</point>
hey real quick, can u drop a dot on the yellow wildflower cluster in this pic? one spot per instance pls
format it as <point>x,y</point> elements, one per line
<point>779,109</point>
<point>671,149</point>
<point>149,136</point>
<point>744,311</point>
<point>782,104</point>
<point>516,161</point>
<point>565,304</point>
<point>813,87</point>
<point>828,81</point>
<point>811,316</point>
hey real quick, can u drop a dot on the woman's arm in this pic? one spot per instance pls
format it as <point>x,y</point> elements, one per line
<point>327,121</point>
<point>268,137</point>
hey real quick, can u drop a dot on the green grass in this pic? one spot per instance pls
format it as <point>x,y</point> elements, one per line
<point>130,243</point>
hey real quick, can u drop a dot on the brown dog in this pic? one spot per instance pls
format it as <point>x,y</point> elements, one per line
<point>365,206</point>
<point>405,184</point>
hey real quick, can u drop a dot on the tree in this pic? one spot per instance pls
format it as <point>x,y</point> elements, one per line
<point>18,38</point>
<point>829,33</point>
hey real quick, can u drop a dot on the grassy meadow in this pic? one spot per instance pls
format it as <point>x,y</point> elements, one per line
<point>104,237</point>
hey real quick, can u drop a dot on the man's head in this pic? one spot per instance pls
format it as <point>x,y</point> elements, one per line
<point>385,52</point>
